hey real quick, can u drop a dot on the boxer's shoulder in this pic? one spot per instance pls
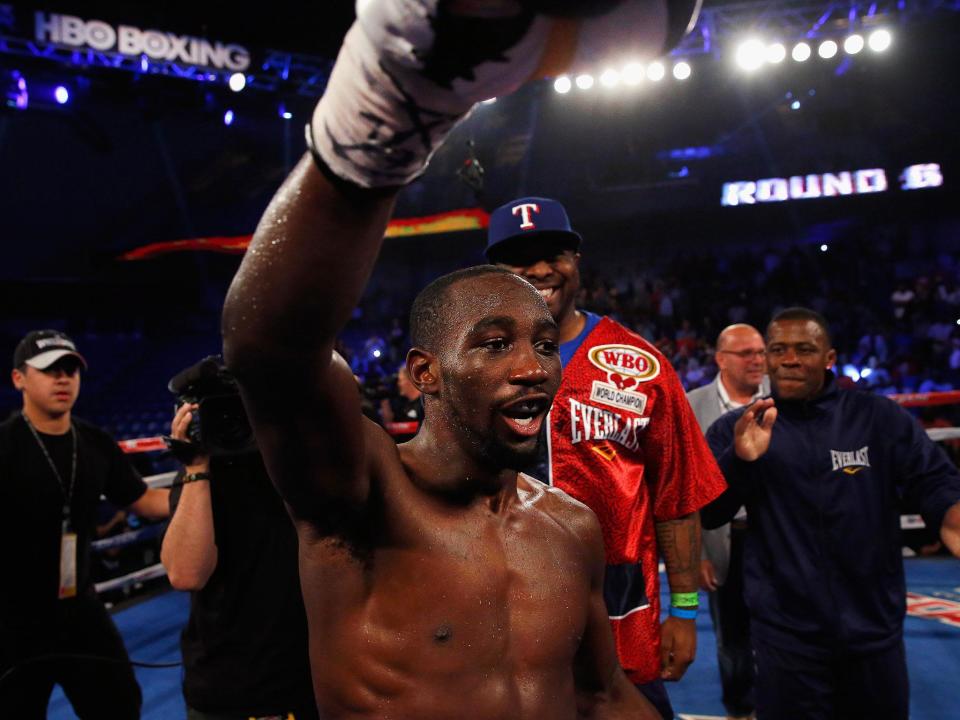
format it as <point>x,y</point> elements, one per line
<point>567,512</point>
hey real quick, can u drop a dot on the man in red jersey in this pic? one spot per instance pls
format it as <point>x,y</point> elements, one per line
<point>623,440</point>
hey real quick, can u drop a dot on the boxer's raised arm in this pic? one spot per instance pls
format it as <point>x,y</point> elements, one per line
<point>302,275</point>
<point>400,83</point>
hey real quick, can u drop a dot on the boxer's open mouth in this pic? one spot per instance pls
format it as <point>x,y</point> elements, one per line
<point>525,416</point>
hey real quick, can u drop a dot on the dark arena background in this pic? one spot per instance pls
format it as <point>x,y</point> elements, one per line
<point>788,152</point>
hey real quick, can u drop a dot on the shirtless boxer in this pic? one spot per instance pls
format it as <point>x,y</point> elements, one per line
<point>439,583</point>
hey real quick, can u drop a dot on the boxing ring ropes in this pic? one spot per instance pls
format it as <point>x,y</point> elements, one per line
<point>157,444</point>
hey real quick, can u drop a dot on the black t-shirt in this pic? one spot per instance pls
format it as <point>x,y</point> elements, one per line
<point>245,644</point>
<point>31,510</point>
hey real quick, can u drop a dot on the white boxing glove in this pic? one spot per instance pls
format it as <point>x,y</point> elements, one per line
<point>409,70</point>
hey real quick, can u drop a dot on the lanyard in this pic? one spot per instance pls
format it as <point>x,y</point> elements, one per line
<point>725,405</point>
<point>68,489</point>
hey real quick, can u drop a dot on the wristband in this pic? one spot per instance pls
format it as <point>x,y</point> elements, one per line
<point>183,450</point>
<point>684,613</point>
<point>193,477</point>
<point>685,600</point>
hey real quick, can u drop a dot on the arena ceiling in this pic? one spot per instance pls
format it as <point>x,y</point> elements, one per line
<point>133,160</point>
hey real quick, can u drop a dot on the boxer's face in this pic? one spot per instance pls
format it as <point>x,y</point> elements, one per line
<point>500,367</point>
<point>798,357</point>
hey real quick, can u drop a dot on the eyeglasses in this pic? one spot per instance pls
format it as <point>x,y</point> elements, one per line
<point>746,354</point>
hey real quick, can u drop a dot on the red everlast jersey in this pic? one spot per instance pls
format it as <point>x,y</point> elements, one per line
<point>624,441</point>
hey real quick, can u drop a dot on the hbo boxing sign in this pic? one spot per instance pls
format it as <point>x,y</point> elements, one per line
<point>129,40</point>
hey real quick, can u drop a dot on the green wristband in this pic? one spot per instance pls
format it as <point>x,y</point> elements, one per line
<point>685,600</point>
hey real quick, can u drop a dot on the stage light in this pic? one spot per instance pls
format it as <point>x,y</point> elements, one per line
<point>853,44</point>
<point>866,372</point>
<point>61,95</point>
<point>22,99</point>
<point>681,71</point>
<point>801,52</point>
<point>562,84</point>
<point>879,40</point>
<point>584,82</point>
<point>15,90</point>
<point>827,49</point>
<point>228,118</point>
<point>237,82</point>
<point>750,54</point>
<point>377,353</point>
<point>824,247</point>
<point>610,78</point>
<point>632,73</point>
<point>795,105</point>
<point>851,372</point>
<point>656,71</point>
<point>776,53</point>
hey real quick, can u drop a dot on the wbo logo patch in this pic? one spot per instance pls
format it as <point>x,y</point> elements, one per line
<point>626,365</point>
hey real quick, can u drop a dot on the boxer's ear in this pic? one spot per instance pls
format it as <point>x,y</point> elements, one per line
<point>424,370</point>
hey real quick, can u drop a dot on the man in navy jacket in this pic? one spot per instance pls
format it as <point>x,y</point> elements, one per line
<point>822,472</point>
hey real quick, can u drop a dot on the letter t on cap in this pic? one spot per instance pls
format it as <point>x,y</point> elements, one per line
<point>525,211</point>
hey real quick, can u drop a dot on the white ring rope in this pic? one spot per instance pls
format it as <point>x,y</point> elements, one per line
<point>147,573</point>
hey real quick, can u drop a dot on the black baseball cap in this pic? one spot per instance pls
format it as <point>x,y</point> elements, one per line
<point>42,348</point>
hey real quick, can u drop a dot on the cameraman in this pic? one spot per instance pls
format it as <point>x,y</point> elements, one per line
<point>231,543</point>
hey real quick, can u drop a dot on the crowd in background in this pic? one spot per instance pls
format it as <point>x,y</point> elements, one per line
<point>893,302</point>
<point>891,294</point>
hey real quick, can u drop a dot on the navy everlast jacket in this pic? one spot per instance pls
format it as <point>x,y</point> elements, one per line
<point>823,560</point>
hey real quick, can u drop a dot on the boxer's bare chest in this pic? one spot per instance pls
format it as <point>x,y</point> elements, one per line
<point>448,595</point>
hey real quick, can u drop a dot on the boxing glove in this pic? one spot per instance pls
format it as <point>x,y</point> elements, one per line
<point>409,70</point>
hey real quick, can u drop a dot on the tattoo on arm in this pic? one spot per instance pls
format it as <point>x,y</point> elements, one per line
<point>679,544</point>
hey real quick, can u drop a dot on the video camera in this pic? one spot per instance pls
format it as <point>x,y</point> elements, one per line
<point>220,425</point>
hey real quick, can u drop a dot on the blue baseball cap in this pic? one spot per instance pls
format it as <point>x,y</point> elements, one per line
<point>536,218</point>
